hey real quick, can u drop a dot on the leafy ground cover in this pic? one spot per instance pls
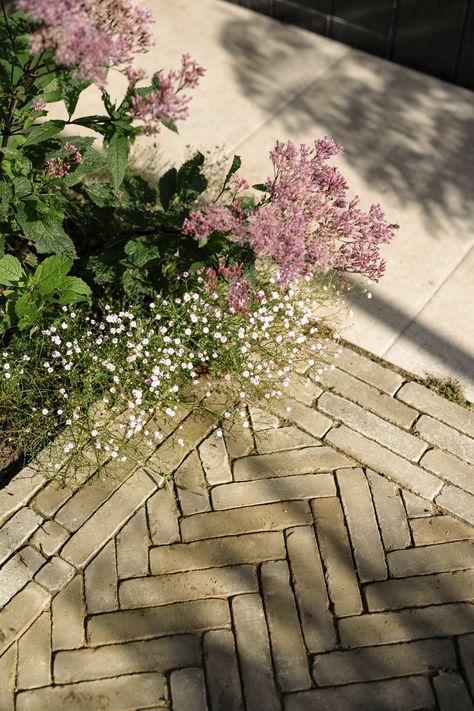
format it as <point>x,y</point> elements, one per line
<point>123,291</point>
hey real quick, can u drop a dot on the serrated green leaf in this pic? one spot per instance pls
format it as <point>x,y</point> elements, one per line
<point>101,194</point>
<point>26,309</point>
<point>45,231</point>
<point>74,290</point>
<point>50,274</point>
<point>11,271</point>
<point>117,157</point>
<point>141,251</point>
<point>167,187</point>
<point>22,187</point>
<point>71,88</point>
<point>44,131</point>
<point>170,125</point>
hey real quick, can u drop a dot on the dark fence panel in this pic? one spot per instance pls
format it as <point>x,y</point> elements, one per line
<point>433,36</point>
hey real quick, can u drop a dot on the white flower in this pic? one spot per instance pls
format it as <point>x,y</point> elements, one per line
<point>44,411</point>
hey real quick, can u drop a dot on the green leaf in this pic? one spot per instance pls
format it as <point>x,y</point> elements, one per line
<point>51,272</point>
<point>141,251</point>
<point>167,187</point>
<point>101,194</point>
<point>22,187</point>
<point>261,186</point>
<point>71,88</point>
<point>26,310</point>
<point>44,230</point>
<point>236,163</point>
<point>117,157</point>
<point>92,162</point>
<point>6,195</point>
<point>11,271</point>
<point>74,290</point>
<point>44,131</point>
<point>167,123</point>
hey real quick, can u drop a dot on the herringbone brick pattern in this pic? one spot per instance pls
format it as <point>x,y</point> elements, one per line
<point>279,568</point>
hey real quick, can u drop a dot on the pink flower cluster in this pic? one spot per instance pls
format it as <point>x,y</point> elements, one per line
<point>167,102</point>
<point>306,224</point>
<point>59,167</point>
<point>239,292</point>
<point>89,35</point>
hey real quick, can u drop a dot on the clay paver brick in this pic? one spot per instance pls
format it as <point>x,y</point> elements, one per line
<point>113,660</point>
<point>149,622</point>
<point>405,694</point>
<point>288,649</point>
<point>405,625</point>
<point>20,612</point>
<point>283,438</point>
<point>269,517</point>
<point>451,693</point>
<point>193,585</point>
<point>466,652</point>
<point>7,678</point>
<point>68,616</point>
<point>191,486</point>
<point>34,654</point>
<point>266,491</point>
<point>303,389</point>
<point>16,531</point>
<point>381,662</point>
<point>457,502</point>
<point>449,468</point>
<point>163,516</point>
<point>390,512</point>
<point>336,553</point>
<point>132,547</point>
<point>363,530</point>
<point>369,398</point>
<point>417,506</point>
<point>169,456</point>
<point>441,435</point>
<point>305,417</point>
<point>369,371</point>
<point>93,535</point>
<point>55,574</point>
<point>310,589</point>
<point>253,650</point>
<point>308,460</point>
<point>229,550</point>
<point>439,529</point>
<point>384,461</point>
<point>17,572</point>
<point>438,558</point>
<point>262,420</point>
<point>49,537</point>
<point>372,426</point>
<point>215,460</point>
<point>222,672</point>
<point>418,591</point>
<point>19,491</point>
<point>87,500</point>
<point>129,691</point>
<point>188,690</point>
<point>238,441</point>
<point>100,581</point>
<point>427,401</point>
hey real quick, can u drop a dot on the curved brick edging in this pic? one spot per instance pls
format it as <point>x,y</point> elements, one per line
<point>64,551</point>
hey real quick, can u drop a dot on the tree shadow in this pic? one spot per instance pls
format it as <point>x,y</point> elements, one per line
<point>403,131</point>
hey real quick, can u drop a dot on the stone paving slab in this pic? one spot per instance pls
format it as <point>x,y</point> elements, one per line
<point>320,572</point>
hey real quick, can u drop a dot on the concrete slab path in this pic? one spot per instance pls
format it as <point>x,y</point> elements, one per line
<point>323,558</point>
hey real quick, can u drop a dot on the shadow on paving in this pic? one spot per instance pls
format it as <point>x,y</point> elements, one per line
<point>404,132</point>
<point>266,675</point>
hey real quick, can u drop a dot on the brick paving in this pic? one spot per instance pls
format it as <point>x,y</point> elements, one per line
<point>323,563</point>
